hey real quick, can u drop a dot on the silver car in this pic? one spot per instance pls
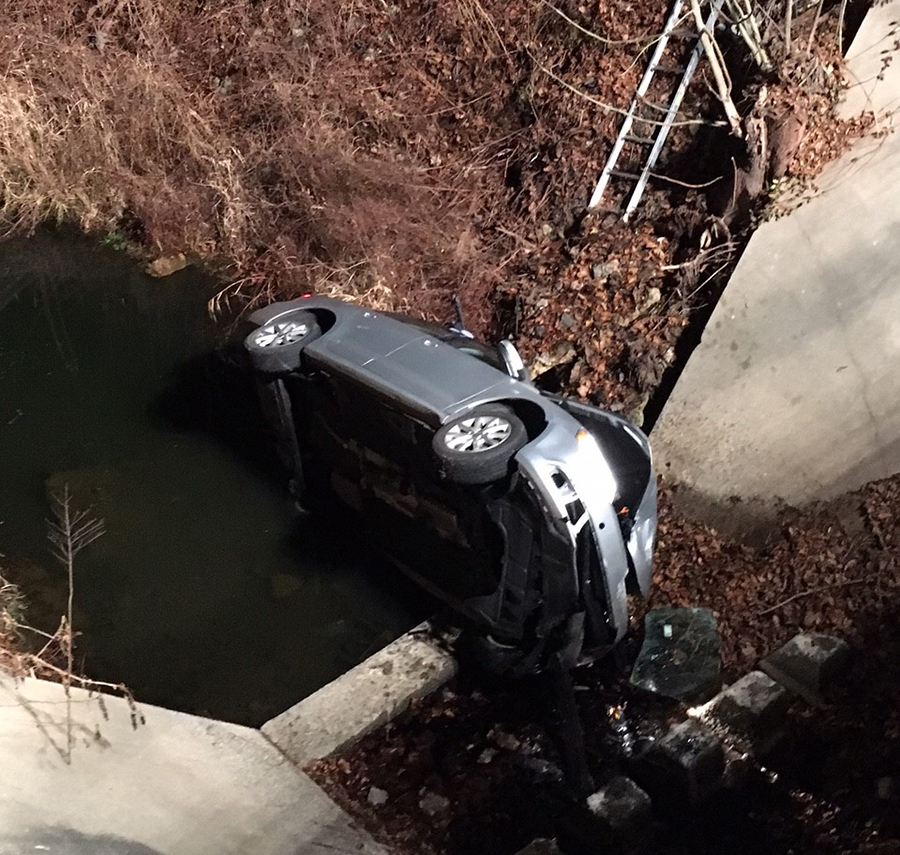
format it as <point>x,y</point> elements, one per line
<point>531,515</point>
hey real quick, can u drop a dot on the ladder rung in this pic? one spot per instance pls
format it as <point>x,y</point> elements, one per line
<point>682,33</point>
<point>670,69</point>
<point>618,173</point>
<point>616,211</point>
<point>639,140</point>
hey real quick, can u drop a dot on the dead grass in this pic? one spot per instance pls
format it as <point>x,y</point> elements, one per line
<point>233,131</point>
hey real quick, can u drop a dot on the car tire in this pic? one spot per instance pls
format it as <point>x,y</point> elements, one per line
<point>275,347</point>
<point>476,447</point>
<point>499,660</point>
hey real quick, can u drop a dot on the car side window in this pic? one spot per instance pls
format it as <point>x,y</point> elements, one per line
<point>478,350</point>
<point>467,345</point>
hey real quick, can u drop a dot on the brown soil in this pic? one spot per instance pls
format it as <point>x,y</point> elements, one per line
<point>400,152</point>
<point>489,752</point>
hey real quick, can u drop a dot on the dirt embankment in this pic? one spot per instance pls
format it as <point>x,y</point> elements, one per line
<point>402,152</point>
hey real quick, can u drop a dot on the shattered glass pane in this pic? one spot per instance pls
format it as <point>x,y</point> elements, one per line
<point>680,655</point>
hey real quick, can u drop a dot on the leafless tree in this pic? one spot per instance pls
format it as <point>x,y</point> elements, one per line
<point>70,531</point>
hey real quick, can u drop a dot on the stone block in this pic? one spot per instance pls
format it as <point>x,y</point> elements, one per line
<point>541,846</point>
<point>683,768</point>
<point>617,817</point>
<point>751,711</point>
<point>808,665</point>
<point>680,655</point>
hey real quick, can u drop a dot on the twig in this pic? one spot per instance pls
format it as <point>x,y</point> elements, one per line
<point>649,40</point>
<point>609,107</point>
<point>712,55</point>
<point>815,25</point>
<point>809,593</point>
<point>840,26</point>
<point>788,20</point>
<point>508,233</point>
<point>684,183</point>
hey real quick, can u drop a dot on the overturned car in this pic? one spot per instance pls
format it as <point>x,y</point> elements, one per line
<point>531,515</point>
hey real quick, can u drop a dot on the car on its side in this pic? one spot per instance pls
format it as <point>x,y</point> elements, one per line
<point>532,515</point>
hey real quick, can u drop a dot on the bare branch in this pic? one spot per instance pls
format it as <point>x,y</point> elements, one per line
<point>745,21</point>
<point>609,107</point>
<point>645,40</point>
<point>840,26</point>
<point>815,26</point>
<point>712,54</point>
<point>788,20</point>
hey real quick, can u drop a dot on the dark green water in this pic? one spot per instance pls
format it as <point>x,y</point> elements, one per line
<point>209,592</point>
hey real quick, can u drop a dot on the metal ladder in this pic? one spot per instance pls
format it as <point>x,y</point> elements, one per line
<point>656,140</point>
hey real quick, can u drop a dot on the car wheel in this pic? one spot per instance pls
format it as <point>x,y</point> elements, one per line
<point>475,448</point>
<point>496,659</point>
<point>275,347</point>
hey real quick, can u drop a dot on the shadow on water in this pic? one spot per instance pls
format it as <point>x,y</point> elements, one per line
<point>209,592</point>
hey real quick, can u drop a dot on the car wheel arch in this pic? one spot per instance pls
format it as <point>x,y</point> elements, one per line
<point>530,413</point>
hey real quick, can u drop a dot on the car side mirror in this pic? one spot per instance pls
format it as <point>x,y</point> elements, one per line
<point>514,364</point>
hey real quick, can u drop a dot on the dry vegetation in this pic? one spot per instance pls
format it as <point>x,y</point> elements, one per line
<point>249,132</point>
<point>395,151</point>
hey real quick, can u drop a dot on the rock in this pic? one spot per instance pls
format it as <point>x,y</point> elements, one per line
<point>541,767</point>
<point>505,740</point>
<point>433,803</point>
<point>604,270</point>
<point>284,585</point>
<point>654,295</point>
<point>680,655</point>
<point>885,788</point>
<point>166,265</point>
<point>567,320</point>
<point>752,711</point>
<point>377,796</point>
<point>683,768</point>
<point>487,756</point>
<point>541,846</point>
<point>808,665</point>
<point>562,354</point>
<point>618,817</point>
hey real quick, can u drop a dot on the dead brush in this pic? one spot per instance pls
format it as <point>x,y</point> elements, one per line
<point>244,133</point>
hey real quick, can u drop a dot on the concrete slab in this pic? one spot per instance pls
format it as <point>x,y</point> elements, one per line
<point>683,768</point>
<point>809,665</point>
<point>366,697</point>
<point>793,391</point>
<point>616,818</point>
<point>176,785</point>
<point>752,711</point>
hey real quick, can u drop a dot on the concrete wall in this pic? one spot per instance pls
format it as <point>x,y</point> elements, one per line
<point>794,391</point>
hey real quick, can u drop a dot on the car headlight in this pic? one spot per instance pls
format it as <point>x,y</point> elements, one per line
<point>590,474</point>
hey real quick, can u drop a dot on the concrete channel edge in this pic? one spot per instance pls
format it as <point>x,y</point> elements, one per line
<point>365,697</point>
